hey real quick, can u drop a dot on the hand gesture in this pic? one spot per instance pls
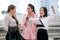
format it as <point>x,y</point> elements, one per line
<point>52,7</point>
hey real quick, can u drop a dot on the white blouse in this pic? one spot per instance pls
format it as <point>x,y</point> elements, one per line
<point>45,21</point>
<point>9,21</point>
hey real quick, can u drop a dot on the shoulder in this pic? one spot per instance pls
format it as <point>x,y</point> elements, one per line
<point>6,16</point>
<point>35,15</point>
<point>25,14</point>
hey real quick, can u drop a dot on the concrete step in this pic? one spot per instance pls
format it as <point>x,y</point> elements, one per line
<point>2,35</point>
<point>53,31</point>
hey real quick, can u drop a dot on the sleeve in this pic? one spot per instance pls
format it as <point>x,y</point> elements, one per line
<point>35,21</point>
<point>49,20</point>
<point>6,23</point>
<point>23,21</point>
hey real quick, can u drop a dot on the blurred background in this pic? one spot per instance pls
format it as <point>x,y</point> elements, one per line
<point>21,5</point>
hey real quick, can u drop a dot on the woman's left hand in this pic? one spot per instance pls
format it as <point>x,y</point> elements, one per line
<point>19,26</point>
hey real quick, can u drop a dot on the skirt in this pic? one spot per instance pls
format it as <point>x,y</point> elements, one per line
<point>42,34</point>
<point>29,33</point>
<point>14,36</point>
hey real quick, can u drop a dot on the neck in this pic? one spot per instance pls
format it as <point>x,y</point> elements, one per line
<point>29,13</point>
<point>11,13</point>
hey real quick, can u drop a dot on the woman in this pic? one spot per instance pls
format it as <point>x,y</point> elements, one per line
<point>11,24</point>
<point>44,19</point>
<point>29,32</point>
<point>42,31</point>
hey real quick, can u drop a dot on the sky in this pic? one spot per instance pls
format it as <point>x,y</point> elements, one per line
<point>21,7</point>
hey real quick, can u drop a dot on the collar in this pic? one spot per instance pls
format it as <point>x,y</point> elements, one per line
<point>9,14</point>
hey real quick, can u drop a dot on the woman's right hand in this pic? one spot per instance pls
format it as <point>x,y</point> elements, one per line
<point>52,7</point>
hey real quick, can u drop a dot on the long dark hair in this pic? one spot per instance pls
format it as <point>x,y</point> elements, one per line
<point>32,6</point>
<point>45,11</point>
<point>10,7</point>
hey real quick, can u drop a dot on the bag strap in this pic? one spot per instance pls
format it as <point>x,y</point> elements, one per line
<point>15,20</point>
<point>41,22</point>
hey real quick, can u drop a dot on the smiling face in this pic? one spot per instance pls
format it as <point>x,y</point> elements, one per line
<point>41,12</point>
<point>13,10</point>
<point>29,9</point>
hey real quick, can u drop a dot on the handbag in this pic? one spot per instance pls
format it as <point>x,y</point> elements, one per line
<point>13,29</point>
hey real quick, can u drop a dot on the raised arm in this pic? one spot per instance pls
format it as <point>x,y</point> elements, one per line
<point>52,7</point>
